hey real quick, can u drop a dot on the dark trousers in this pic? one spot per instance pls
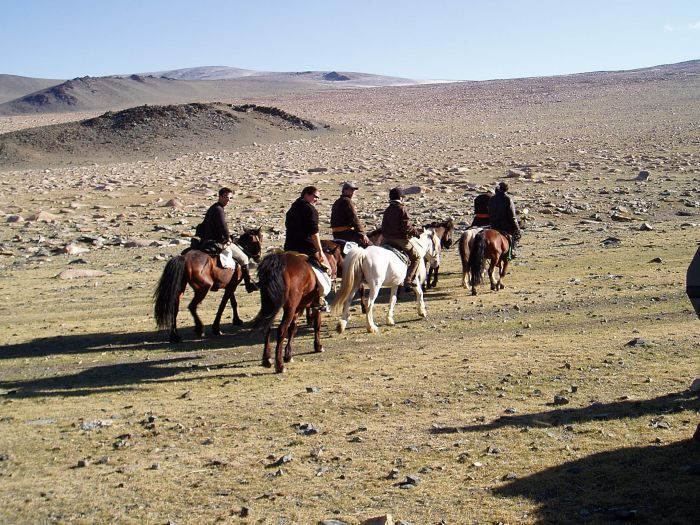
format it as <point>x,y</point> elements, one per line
<point>413,255</point>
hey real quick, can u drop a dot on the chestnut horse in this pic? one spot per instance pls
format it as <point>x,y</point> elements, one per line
<point>286,283</point>
<point>491,245</point>
<point>200,271</point>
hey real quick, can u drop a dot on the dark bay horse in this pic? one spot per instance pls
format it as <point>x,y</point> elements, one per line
<point>201,272</point>
<point>492,246</point>
<point>444,231</point>
<point>286,283</point>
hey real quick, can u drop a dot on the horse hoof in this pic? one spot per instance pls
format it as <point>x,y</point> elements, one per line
<point>422,315</point>
<point>501,287</point>
<point>279,370</point>
<point>473,292</point>
<point>288,359</point>
<point>200,335</point>
<point>320,350</point>
<point>216,331</point>
<point>340,327</point>
<point>175,339</point>
<point>237,322</point>
<point>390,322</point>
<point>267,363</point>
<point>372,329</point>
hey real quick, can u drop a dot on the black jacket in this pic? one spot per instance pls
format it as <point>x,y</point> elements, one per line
<point>214,225</point>
<point>502,213</point>
<point>301,223</point>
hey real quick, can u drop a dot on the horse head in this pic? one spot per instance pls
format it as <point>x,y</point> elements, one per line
<point>251,242</point>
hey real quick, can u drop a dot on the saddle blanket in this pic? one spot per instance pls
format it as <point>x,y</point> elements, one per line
<point>324,279</point>
<point>226,259</point>
<point>401,255</point>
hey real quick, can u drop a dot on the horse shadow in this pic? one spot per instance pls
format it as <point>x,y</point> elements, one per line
<point>648,484</point>
<point>124,377</point>
<point>669,403</point>
<point>115,342</point>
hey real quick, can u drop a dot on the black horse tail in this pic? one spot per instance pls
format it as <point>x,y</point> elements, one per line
<point>476,259</point>
<point>167,293</point>
<point>463,248</point>
<point>272,290</point>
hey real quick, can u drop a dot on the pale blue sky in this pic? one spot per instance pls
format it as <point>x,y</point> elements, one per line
<point>438,39</point>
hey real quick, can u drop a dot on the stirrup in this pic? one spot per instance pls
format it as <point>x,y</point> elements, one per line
<point>321,306</point>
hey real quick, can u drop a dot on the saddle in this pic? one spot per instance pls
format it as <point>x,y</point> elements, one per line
<point>403,257</point>
<point>209,246</point>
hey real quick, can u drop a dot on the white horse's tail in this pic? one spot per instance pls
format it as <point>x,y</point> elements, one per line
<point>352,273</point>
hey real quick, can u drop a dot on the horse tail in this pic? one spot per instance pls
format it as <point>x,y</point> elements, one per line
<point>476,259</point>
<point>167,293</point>
<point>463,247</point>
<point>272,290</point>
<point>352,273</point>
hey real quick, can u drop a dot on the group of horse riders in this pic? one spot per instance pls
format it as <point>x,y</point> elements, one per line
<point>302,231</point>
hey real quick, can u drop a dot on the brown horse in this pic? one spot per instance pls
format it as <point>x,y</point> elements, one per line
<point>444,231</point>
<point>286,283</point>
<point>200,271</point>
<point>491,245</point>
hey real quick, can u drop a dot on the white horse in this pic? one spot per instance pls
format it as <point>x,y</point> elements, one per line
<point>378,268</point>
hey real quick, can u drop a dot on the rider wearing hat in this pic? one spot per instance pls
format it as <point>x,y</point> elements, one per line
<point>397,229</point>
<point>345,223</point>
<point>214,228</point>
<point>502,215</point>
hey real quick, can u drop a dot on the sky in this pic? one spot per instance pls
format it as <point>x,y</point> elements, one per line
<point>420,39</point>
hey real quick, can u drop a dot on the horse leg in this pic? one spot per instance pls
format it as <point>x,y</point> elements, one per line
<point>290,335</point>
<point>373,293</point>
<point>421,304</point>
<point>318,347</point>
<point>216,326</point>
<point>266,359</point>
<point>363,299</point>
<point>282,331</point>
<point>343,321</point>
<point>199,295</point>
<point>236,321</point>
<point>492,268</point>
<point>392,302</point>
<point>504,269</point>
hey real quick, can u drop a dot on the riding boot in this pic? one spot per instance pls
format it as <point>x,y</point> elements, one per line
<point>321,304</point>
<point>250,286</point>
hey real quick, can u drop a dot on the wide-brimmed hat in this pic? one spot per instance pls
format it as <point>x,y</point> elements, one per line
<point>350,185</point>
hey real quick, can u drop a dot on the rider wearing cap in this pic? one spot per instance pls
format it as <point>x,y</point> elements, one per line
<point>397,229</point>
<point>502,215</point>
<point>345,223</point>
<point>214,228</point>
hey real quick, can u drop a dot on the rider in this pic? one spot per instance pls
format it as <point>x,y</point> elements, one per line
<point>214,228</point>
<point>397,229</point>
<point>345,223</point>
<point>502,215</point>
<point>481,210</point>
<point>302,236</point>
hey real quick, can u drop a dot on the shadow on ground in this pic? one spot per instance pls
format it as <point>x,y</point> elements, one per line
<point>666,404</point>
<point>114,342</point>
<point>653,484</point>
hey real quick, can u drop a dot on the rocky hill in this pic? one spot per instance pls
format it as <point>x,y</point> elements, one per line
<point>147,131</point>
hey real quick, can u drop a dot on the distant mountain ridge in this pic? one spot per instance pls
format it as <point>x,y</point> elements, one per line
<point>222,83</point>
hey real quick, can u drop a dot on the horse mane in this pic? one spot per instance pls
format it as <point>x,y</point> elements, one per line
<point>441,224</point>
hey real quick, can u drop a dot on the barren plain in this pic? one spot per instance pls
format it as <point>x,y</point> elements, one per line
<point>563,398</point>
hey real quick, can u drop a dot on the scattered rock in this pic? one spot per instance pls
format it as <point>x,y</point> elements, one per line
<point>561,400</point>
<point>76,274</point>
<point>643,176</point>
<point>379,520</point>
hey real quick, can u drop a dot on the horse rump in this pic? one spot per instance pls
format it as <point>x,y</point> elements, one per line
<point>272,289</point>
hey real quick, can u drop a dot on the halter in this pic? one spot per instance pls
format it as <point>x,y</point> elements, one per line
<point>248,254</point>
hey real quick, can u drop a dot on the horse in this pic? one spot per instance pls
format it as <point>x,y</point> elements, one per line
<point>490,245</point>
<point>443,230</point>
<point>464,245</point>
<point>379,267</point>
<point>200,271</point>
<point>286,283</point>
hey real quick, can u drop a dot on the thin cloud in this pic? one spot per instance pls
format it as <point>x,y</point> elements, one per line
<point>689,27</point>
